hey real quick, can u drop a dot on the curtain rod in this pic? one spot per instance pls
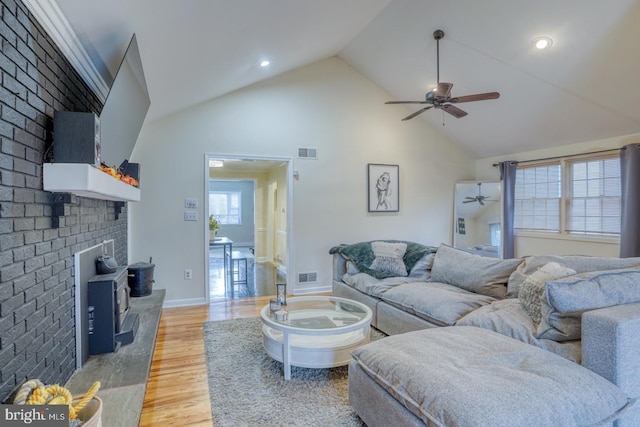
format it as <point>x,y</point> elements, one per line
<point>611,150</point>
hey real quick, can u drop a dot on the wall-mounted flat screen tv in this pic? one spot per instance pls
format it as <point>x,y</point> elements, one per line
<point>125,108</point>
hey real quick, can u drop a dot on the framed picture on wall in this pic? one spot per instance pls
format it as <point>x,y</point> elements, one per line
<point>461,227</point>
<point>383,188</point>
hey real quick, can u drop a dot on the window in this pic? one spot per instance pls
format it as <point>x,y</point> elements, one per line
<point>590,204</point>
<point>595,196</point>
<point>225,206</point>
<point>537,197</point>
<point>495,233</point>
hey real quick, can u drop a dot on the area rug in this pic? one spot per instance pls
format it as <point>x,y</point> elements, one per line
<point>246,386</point>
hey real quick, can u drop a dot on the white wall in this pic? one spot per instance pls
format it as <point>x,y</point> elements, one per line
<point>540,243</point>
<point>328,106</point>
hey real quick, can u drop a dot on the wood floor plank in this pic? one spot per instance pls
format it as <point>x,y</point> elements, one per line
<point>177,391</point>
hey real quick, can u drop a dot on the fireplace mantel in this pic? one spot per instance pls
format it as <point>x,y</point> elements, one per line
<point>86,181</point>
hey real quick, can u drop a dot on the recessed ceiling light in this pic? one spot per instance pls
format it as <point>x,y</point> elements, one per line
<point>543,42</point>
<point>264,63</point>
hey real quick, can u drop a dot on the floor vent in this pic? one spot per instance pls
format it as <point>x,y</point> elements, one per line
<point>307,153</point>
<point>307,277</point>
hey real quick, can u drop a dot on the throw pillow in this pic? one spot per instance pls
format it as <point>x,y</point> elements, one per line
<point>422,269</point>
<point>388,258</point>
<point>533,287</point>
<point>579,263</point>
<point>474,273</point>
<point>352,268</point>
<point>564,300</point>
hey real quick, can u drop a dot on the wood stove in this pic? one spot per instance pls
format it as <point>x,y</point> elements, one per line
<point>110,323</point>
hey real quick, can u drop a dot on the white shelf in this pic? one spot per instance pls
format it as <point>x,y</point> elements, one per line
<point>85,180</point>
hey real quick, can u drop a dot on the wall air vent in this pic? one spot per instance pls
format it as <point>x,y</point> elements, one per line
<point>307,153</point>
<point>307,277</point>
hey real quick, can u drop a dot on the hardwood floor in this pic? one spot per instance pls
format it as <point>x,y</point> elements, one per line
<point>177,392</point>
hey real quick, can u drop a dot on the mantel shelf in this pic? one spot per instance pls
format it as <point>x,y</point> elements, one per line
<point>86,181</point>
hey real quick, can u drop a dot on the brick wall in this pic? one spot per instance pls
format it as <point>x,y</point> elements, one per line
<point>37,325</point>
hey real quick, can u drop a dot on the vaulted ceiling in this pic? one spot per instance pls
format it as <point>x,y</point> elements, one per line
<point>585,87</point>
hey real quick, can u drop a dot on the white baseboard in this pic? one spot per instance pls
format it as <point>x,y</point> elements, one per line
<point>311,290</point>
<point>183,302</point>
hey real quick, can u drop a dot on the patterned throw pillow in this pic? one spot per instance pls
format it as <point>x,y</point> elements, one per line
<point>532,288</point>
<point>388,257</point>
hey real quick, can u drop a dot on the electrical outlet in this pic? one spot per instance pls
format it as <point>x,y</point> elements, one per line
<point>188,274</point>
<point>190,203</point>
<point>190,215</point>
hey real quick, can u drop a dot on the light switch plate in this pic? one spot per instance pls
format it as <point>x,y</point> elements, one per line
<point>190,203</point>
<point>190,215</point>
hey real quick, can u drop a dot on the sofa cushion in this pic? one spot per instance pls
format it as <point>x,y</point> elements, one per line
<point>579,263</point>
<point>468,376</point>
<point>438,303</point>
<point>388,258</point>
<point>371,286</point>
<point>564,300</point>
<point>482,275</point>
<point>532,288</point>
<point>508,317</point>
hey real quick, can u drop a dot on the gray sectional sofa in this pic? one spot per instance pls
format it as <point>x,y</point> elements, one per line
<point>483,341</point>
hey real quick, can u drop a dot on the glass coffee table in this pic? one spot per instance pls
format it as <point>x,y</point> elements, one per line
<point>318,332</point>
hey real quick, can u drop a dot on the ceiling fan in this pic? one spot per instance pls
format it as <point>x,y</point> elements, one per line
<point>479,198</point>
<point>440,98</point>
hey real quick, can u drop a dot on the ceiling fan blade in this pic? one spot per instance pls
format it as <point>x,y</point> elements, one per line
<point>454,111</point>
<point>481,202</point>
<point>468,201</point>
<point>444,89</point>
<point>407,102</point>
<point>420,111</point>
<point>476,97</point>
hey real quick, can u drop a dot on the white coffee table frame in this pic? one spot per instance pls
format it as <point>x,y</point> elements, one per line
<point>315,347</point>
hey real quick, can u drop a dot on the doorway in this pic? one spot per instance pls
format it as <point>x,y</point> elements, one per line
<point>246,264</point>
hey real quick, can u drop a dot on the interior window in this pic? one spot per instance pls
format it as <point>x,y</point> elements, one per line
<point>226,206</point>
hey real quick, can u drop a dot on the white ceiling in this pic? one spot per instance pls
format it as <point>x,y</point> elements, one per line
<point>584,88</point>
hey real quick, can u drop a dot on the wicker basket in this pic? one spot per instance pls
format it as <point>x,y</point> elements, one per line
<point>90,415</point>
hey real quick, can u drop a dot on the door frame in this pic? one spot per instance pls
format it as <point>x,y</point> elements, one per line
<point>289,212</point>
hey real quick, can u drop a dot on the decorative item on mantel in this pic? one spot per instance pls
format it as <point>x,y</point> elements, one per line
<point>120,174</point>
<point>214,226</point>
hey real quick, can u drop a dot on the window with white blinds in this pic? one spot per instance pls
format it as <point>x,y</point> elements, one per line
<point>537,197</point>
<point>595,192</point>
<point>586,192</point>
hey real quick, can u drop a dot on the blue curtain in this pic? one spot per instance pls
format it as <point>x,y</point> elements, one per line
<point>508,178</point>
<point>630,209</point>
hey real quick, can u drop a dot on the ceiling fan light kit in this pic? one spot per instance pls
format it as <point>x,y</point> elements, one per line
<point>440,98</point>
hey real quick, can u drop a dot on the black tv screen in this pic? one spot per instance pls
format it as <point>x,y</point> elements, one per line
<point>125,108</point>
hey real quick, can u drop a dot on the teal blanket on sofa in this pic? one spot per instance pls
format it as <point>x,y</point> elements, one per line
<point>362,255</point>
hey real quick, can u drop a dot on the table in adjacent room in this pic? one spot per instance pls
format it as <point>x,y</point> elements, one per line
<point>227,255</point>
